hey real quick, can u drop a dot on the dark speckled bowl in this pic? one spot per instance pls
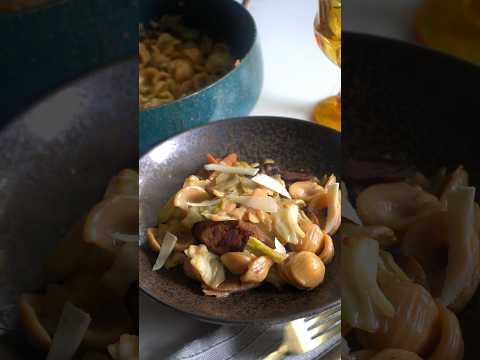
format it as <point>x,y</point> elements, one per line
<point>235,94</point>
<point>57,157</point>
<point>417,106</point>
<point>295,145</point>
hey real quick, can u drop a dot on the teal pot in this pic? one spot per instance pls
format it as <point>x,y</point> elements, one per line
<point>47,46</point>
<point>233,95</point>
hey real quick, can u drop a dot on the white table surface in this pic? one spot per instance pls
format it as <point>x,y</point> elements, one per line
<point>297,75</point>
<point>296,72</point>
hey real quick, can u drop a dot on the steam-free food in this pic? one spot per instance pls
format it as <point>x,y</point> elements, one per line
<point>238,225</point>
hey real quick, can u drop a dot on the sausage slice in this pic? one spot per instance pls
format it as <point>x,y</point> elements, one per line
<point>221,237</point>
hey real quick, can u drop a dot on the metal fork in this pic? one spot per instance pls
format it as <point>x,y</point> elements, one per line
<point>304,335</point>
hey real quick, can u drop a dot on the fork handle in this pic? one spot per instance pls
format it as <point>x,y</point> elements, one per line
<point>278,354</point>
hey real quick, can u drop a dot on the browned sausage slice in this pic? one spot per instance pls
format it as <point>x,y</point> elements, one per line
<point>221,237</point>
<point>289,177</point>
<point>229,287</point>
<point>255,231</point>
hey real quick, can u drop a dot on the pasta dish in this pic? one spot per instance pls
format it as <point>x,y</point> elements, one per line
<point>89,307</point>
<point>237,227</point>
<point>176,61</point>
<point>410,265</point>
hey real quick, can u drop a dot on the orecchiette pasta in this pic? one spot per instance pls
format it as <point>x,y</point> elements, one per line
<point>232,231</point>
<point>175,61</point>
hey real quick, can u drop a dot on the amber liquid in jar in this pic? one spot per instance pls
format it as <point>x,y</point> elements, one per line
<point>328,33</point>
<point>328,29</point>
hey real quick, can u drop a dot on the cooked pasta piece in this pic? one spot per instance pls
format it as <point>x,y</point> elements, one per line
<point>175,61</point>
<point>242,230</point>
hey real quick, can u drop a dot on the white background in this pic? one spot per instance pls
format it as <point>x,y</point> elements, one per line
<point>296,72</point>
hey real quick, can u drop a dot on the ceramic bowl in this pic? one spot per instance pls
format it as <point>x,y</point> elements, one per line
<point>295,145</point>
<point>55,160</point>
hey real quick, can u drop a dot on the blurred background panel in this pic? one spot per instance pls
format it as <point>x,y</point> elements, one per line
<point>410,88</point>
<point>450,26</point>
<point>57,41</point>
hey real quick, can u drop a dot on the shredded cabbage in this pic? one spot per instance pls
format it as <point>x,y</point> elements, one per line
<point>193,216</point>
<point>266,204</point>
<point>293,215</point>
<point>286,223</point>
<point>247,185</point>
<point>168,244</point>
<point>462,241</point>
<point>205,203</point>
<point>225,183</point>
<point>216,212</point>
<point>303,219</point>
<point>363,302</point>
<point>208,265</point>
<point>388,270</point>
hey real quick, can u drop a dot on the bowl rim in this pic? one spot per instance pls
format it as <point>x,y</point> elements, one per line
<point>221,320</point>
<point>238,119</point>
<point>225,76</point>
<point>410,46</point>
<point>55,90</point>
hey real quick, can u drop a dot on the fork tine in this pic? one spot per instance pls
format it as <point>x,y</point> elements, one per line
<point>301,339</point>
<point>323,328</point>
<point>333,336</point>
<point>333,309</point>
<point>318,320</point>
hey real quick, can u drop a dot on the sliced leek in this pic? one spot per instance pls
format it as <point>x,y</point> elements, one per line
<point>231,169</point>
<point>258,248</point>
<point>168,244</point>
<point>71,329</point>
<point>272,184</point>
